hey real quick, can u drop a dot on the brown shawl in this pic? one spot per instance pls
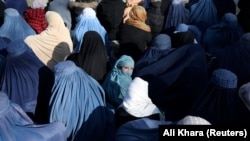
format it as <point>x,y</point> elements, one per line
<point>138,17</point>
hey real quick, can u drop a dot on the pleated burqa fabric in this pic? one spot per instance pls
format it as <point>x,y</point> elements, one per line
<point>203,14</point>
<point>14,26</point>
<point>4,41</point>
<point>87,21</point>
<point>78,101</point>
<point>236,58</point>
<point>178,77</point>
<point>20,5</point>
<point>218,36</point>
<point>160,46</point>
<point>220,103</point>
<point>15,125</point>
<point>3,52</point>
<point>54,44</point>
<point>176,14</point>
<point>25,78</point>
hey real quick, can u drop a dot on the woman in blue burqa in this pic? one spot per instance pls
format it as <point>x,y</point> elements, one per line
<point>16,125</point>
<point>27,81</point>
<point>236,58</point>
<point>78,101</point>
<point>176,80</point>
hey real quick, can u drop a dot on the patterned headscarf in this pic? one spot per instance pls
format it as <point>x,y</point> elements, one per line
<point>35,15</point>
<point>138,17</point>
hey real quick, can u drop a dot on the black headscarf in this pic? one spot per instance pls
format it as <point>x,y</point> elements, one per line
<point>92,56</point>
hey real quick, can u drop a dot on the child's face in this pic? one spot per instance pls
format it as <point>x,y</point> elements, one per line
<point>127,70</point>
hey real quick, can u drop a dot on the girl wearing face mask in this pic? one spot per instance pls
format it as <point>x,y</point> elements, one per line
<point>118,79</point>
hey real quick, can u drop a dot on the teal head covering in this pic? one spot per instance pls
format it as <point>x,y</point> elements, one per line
<point>117,81</point>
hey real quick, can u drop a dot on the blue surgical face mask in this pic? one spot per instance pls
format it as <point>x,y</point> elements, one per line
<point>127,72</point>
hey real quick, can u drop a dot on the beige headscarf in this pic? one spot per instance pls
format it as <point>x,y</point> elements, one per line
<point>54,44</point>
<point>138,17</point>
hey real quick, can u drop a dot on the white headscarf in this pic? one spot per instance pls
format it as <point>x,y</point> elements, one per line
<point>89,12</point>
<point>39,4</point>
<point>136,102</point>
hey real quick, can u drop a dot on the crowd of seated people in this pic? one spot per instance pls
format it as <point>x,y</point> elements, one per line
<point>115,70</point>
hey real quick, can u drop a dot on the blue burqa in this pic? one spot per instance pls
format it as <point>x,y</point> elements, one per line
<point>78,101</point>
<point>15,27</point>
<point>176,80</point>
<point>16,125</point>
<point>26,80</point>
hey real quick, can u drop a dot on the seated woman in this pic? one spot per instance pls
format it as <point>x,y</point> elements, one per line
<point>110,21</point>
<point>54,43</point>
<point>20,5</point>
<point>160,46</point>
<point>176,13</point>
<point>78,101</point>
<point>15,27</point>
<point>203,14</point>
<point>35,15</point>
<point>135,35</point>
<point>219,103</point>
<point>118,80</point>
<point>136,104</point>
<point>27,81</point>
<point>178,77</point>
<point>218,36</point>
<point>16,125</point>
<point>87,21</point>
<point>236,58</point>
<point>92,57</point>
